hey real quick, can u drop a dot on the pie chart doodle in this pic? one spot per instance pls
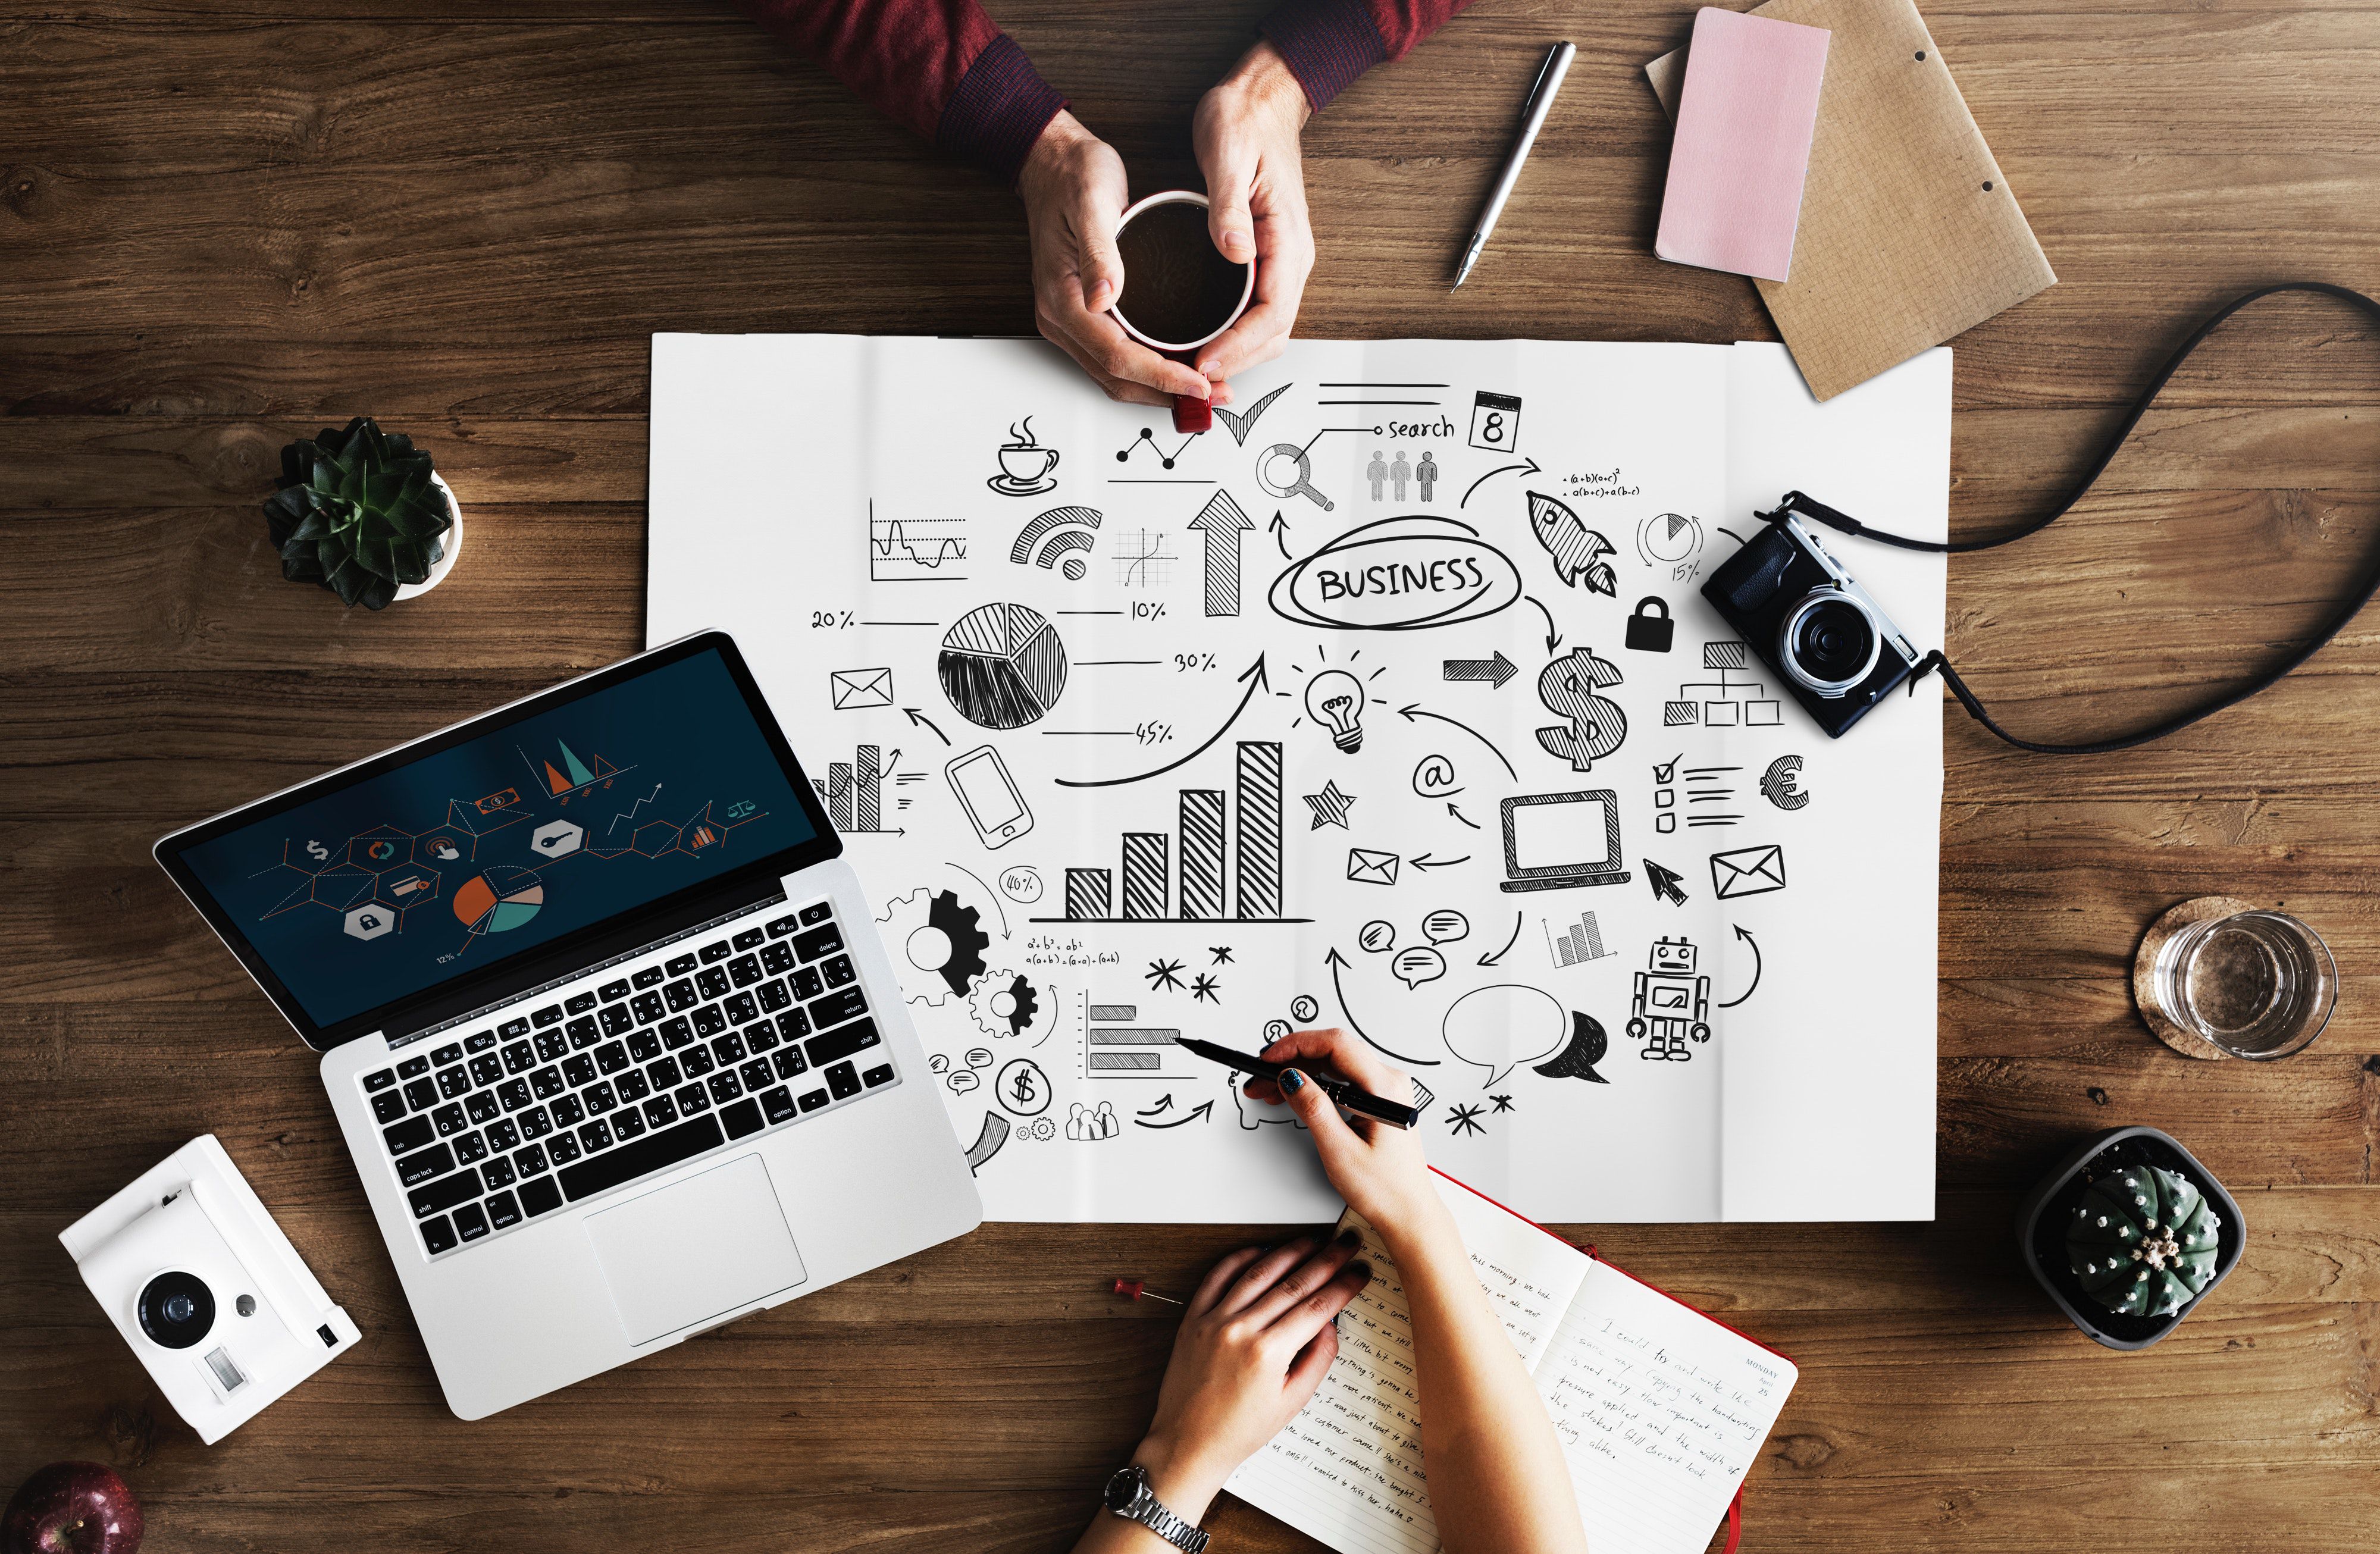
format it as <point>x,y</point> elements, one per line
<point>502,898</point>
<point>1003,666</point>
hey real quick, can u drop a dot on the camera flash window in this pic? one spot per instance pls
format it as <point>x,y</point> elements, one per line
<point>227,1375</point>
<point>245,1306</point>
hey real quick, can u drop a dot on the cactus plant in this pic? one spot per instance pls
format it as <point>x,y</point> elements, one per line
<point>2143,1241</point>
<point>359,512</point>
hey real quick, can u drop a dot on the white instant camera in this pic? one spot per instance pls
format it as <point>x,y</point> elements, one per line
<point>206,1289</point>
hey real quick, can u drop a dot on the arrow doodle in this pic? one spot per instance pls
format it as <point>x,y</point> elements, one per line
<point>1495,670</point>
<point>1528,466</point>
<point>924,722</point>
<point>1461,816</point>
<point>1509,942</point>
<point>1221,523</point>
<point>1553,637</point>
<point>1279,529</point>
<point>1198,1113</point>
<point>1164,1105</point>
<point>1334,960</point>
<point>1426,861</point>
<point>1745,934</point>
<point>1415,710</point>
<point>1253,676</point>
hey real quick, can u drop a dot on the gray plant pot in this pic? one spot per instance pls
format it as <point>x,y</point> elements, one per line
<point>2041,1229</point>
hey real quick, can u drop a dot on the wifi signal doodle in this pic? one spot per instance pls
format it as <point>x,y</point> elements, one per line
<point>1055,532</point>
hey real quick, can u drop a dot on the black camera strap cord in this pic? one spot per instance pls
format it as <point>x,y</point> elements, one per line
<point>1809,507</point>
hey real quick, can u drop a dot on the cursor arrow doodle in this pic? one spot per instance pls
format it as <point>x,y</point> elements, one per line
<point>1667,884</point>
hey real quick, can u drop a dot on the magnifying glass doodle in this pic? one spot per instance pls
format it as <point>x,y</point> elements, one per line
<point>1275,462</point>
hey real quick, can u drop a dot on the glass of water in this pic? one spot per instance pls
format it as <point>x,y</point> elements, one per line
<point>2256,985</point>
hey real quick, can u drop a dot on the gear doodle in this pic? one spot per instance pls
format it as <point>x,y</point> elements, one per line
<point>935,934</point>
<point>1007,1003</point>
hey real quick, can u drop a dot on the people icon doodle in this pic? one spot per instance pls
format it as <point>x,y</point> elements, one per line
<point>1085,1126</point>
<point>1399,473</point>
<point>1378,473</point>
<point>1426,473</point>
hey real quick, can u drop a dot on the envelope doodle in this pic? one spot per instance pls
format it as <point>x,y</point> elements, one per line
<point>1747,872</point>
<point>855,688</point>
<point>1366,867</point>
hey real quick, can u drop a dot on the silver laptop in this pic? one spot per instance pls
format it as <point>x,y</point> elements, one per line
<point>604,1018</point>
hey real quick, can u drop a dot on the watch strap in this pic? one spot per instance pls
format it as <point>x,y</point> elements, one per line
<point>1150,1513</point>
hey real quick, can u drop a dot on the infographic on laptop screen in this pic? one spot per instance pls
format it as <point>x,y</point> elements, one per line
<point>1391,703</point>
<point>510,840</point>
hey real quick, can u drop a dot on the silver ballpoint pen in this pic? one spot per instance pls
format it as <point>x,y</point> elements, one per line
<point>1533,119</point>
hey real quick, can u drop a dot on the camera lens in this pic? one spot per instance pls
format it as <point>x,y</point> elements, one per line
<point>177,1309</point>
<point>1829,642</point>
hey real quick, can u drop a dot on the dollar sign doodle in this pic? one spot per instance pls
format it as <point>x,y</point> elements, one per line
<point>1596,725</point>
<point>319,851</point>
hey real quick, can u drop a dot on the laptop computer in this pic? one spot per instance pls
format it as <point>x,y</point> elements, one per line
<point>603,1016</point>
<point>1553,842</point>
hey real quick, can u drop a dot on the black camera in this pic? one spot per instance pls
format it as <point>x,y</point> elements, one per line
<point>1800,612</point>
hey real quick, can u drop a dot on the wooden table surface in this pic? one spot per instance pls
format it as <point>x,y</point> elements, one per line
<point>225,222</point>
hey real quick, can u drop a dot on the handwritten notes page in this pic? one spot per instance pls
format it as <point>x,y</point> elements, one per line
<point>1660,1411</point>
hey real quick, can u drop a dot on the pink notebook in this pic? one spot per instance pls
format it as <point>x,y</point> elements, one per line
<point>1744,123</point>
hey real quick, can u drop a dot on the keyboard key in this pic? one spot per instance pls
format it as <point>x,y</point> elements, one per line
<point>656,1151</point>
<point>807,983</point>
<point>718,950</point>
<point>745,970</point>
<point>423,1164</point>
<point>843,1080</point>
<point>778,1103</point>
<point>776,959</point>
<point>596,1134</point>
<point>448,1120</point>
<point>836,1008</point>
<point>471,1221</point>
<point>728,1049</point>
<point>598,1098</point>
<point>413,1068</point>
<point>579,1003</point>
<point>632,1085</point>
<point>627,1122</point>
<point>453,1082</point>
<point>499,1173</point>
<point>789,1063</point>
<point>814,1100</point>
<point>839,972</point>
<point>881,1075</point>
<point>649,977</point>
<point>611,992</point>
<point>541,1197</point>
<point>551,1044</point>
<point>696,1062</point>
<point>445,1193</point>
<point>647,1007</point>
<point>513,1093</point>
<point>616,1020</point>
<point>713,983</point>
<point>708,1021</point>
<point>584,1032</point>
<point>408,1136</point>
<point>470,1148</point>
<point>840,1042</point>
<point>780,926</point>
<point>450,1053</point>
<point>816,913</point>
<point>680,965</point>
<point>547,1083</point>
<point>380,1081</point>
<point>760,1038</point>
<point>504,1135</point>
<point>612,1057</point>
<point>661,1112</point>
<point>675,1032</point>
<point>772,995</point>
<point>645,1046</point>
<point>725,1087</point>
<point>793,1025</point>
<point>388,1106</point>
<point>579,1069</point>
<point>741,1010</point>
<point>664,1073</point>
<point>567,1112</point>
<point>481,1105</point>
<point>549,1016</point>
<point>741,1120</point>
<point>751,939</point>
<point>486,1069</point>
<point>438,1235</point>
<point>819,941</point>
<point>531,1160</point>
<point>480,1043</point>
<point>564,1148</point>
<point>534,1123</point>
<point>511,1028</point>
<point>420,1094</point>
<point>504,1212</point>
<point>680,996</point>
<point>756,1074</point>
<point>519,1058</point>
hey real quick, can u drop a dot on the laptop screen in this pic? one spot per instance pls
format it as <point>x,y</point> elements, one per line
<point>370,891</point>
<point>1562,833</point>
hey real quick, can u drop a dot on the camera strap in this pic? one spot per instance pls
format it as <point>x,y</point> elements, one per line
<point>1818,512</point>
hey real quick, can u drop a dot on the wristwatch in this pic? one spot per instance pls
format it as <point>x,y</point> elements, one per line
<point>1128,1497</point>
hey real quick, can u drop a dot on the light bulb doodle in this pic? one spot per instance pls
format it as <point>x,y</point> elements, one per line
<point>1335,699</point>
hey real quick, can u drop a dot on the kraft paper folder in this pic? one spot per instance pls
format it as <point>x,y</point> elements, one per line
<point>1909,233</point>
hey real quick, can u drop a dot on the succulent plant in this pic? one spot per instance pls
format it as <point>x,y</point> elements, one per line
<point>2143,1241</point>
<point>358,512</point>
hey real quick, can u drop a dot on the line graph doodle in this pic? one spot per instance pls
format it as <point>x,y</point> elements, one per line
<point>931,549</point>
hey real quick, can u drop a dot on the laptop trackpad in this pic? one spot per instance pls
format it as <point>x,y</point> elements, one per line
<point>695,1249</point>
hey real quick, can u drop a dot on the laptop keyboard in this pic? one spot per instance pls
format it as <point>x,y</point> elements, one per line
<point>708,1045</point>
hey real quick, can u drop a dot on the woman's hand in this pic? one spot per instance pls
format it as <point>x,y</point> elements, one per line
<point>1074,189</point>
<point>1253,1344</point>
<point>1378,1168</point>
<point>1245,131</point>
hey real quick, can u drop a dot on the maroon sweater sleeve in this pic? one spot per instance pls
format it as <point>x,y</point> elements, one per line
<point>1328,43</point>
<point>940,67</point>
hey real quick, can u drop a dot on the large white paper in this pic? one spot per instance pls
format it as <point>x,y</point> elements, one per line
<point>905,556</point>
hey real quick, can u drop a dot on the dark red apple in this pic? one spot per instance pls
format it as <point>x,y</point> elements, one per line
<point>71,1507</point>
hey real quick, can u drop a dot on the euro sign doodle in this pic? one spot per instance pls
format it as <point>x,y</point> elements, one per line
<point>1596,725</point>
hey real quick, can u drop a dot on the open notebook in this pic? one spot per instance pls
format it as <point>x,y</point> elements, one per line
<point>1660,1410</point>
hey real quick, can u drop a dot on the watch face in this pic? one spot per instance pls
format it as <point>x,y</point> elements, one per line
<point>1124,1488</point>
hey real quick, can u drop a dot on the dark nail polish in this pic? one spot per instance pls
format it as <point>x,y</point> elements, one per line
<point>1291,1081</point>
<point>1349,1237</point>
<point>1360,1268</point>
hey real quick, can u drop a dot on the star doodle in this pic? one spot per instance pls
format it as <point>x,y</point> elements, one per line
<point>1164,974</point>
<point>1503,1103</point>
<point>1202,986</point>
<point>1460,1120</point>
<point>1222,954</point>
<point>1329,807</point>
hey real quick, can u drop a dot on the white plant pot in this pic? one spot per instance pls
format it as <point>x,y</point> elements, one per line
<point>453,547</point>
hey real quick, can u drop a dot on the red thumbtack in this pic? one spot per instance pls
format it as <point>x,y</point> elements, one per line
<point>1135,1289</point>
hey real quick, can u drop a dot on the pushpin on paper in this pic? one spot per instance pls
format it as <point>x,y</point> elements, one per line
<point>1135,1289</point>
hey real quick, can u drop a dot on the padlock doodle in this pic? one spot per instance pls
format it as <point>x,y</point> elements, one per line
<point>1596,725</point>
<point>1651,634</point>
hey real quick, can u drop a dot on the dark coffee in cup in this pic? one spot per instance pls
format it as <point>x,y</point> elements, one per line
<point>1178,287</point>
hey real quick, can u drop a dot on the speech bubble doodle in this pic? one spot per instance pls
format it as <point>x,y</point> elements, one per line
<point>1303,1009</point>
<point>979,1057</point>
<point>938,1063</point>
<point>1434,778</point>
<point>1499,1027</point>
<point>1445,926</point>
<point>1021,885</point>
<point>1403,574</point>
<point>964,1079</point>
<point>1418,964</point>
<point>1378,936</point>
